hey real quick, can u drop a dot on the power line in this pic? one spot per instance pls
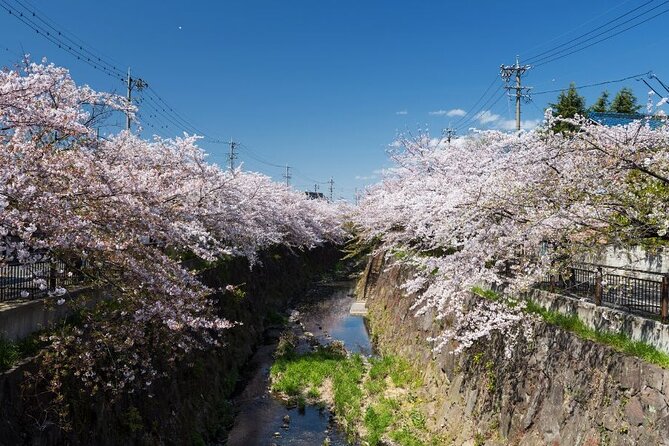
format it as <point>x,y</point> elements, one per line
<point>179,117</point>
<point>490,103</point>
<point>651,87</point>
<point>652,75</point>
<point>304,177</point>
<point>56,40</point>
<point>49,30</point>
<point>543,60</point>
<point>555,38</point>
<point>468,113</point>
<point>569,47</point>
<point>80,46</point>
<point>251,154</point>
<point>534,58</point>
<point>598,84</point>
<point>153,104</point>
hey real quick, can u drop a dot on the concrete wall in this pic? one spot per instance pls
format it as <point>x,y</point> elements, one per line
<point>18,319</point>
<point>633,258</point>
<point>604,318</point>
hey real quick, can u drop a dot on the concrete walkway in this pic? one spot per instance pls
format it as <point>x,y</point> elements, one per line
<point>359,308</point>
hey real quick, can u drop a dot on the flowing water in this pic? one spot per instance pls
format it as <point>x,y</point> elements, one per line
<point>264,420</point>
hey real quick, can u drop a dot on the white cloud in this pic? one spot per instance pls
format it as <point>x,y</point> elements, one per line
<point>450,113</point>
<point>402,112</point>
<point>510,124</point>
<point>456,112</point>
<point>365,177</point>
<point>486,117</point>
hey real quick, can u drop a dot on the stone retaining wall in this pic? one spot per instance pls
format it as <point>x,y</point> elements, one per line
<point>555,389</point>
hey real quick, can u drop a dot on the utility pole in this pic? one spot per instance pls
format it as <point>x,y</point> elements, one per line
<point>232,155</point>
<point>132,83</point>
<point>316,189</point>
<point>448,134</point>
<point>517,70</point>
<point>357,197</point>
<point>287,175</point>
<point>331,182</point>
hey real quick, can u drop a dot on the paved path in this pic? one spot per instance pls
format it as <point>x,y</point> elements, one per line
<point>359,308</point>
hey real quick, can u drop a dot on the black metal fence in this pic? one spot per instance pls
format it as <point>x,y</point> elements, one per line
<point>31,281</point>
<point>646,295</point>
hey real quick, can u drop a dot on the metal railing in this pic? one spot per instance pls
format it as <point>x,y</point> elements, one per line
<point>32,281</point>
<point>648,296</point>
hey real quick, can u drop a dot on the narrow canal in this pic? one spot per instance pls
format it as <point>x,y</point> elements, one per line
<point>265,420</point>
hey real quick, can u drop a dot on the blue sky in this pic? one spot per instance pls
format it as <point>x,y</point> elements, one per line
<point>325,85</point>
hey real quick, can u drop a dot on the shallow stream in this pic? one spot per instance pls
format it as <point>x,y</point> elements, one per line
<point>263,419</point>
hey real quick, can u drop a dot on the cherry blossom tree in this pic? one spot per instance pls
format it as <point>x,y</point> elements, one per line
<point>122,212</point>
<point>501,210</point>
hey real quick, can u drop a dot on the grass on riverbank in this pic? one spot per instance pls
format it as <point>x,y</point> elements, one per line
<point>303,378</point>
<point>370,399</point>
<point>11,352</point>
<point>572,323</point>
<point>618,341</point>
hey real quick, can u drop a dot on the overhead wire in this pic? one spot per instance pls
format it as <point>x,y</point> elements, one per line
<point>598,84</point>
<point>81,47</point>
<point>300,174</point>
<point>56,40</point>
<point>254,156</point>
<point>546,53</point>
<point>577,47</point>
<point>555,38</point>
<point>49,30</point>
<point>491,102</point>
<point>468,113</point>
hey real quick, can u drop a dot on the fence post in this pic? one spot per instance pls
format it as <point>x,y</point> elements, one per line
<point>598,286</point>
<point>52,275</point>
<point>664,299</point>
<point>573,279</point>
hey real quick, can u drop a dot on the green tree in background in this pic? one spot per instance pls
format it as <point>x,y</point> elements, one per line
<point>602,104</point>
<point>568,105</point>
<point>625,102</point>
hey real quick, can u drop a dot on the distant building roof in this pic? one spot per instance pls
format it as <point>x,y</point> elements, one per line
<point>612,119</point>
<point>315,195</point>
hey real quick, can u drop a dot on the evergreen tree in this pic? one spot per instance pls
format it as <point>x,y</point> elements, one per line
<point>602,104</point>
<point>568,105</point>
<point>625,102</point>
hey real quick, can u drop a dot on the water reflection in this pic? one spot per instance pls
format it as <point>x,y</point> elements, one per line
<point>261,420</point>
